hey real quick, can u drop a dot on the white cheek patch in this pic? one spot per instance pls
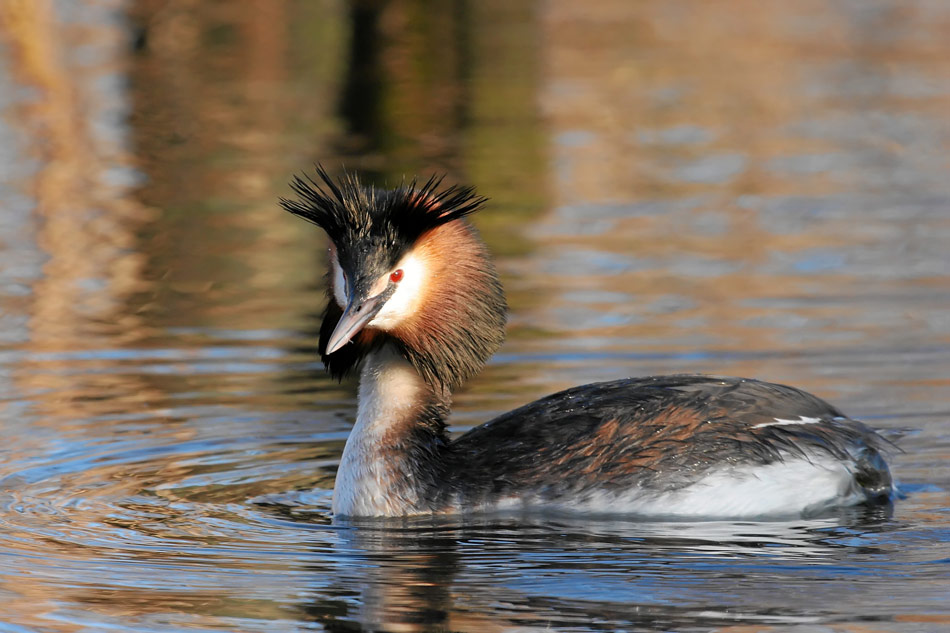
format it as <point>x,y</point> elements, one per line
<point>408,295</point>
<point>339,282</point>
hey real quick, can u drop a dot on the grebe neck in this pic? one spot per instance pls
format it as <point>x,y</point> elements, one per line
<point>396,448</point>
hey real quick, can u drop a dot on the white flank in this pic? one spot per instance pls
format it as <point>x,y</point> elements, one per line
<point>389,391</point>
<point>793,487</point>
<point>780,422</point>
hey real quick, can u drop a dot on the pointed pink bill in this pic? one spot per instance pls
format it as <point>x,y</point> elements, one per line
<point>355,317</point>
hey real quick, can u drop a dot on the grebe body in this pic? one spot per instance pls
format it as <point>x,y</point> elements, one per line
<point>414,304</point>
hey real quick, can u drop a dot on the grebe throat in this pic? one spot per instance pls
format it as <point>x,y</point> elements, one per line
<point>396,442</point>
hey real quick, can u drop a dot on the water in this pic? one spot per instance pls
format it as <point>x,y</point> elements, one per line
<point>757,190</point>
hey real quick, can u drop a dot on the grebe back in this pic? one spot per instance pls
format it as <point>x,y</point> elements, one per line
<point>415,304</point>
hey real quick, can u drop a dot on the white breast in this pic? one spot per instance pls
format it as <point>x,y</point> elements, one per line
<point>366,482</point>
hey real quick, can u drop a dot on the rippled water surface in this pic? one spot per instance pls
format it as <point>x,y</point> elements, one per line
<point>761,189</point>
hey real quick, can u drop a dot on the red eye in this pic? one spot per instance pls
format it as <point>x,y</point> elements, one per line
<point>396,275</point>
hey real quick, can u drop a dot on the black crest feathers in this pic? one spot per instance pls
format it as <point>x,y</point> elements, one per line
<point>351,212</point>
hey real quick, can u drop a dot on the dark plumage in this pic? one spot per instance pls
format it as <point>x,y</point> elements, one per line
<point>662,432</point>
<point>679,445</point>
<point>367,223</point>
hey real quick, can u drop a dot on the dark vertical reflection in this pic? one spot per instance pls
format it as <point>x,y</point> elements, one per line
<point>362,86</point>
<point>402,90</point>
<point>448,87</point>
<point>407,586</point>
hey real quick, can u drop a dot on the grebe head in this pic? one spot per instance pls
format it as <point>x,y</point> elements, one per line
<point>405,269</point>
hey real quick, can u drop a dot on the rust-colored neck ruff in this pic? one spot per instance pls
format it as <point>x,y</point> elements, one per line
<point>461,320</point>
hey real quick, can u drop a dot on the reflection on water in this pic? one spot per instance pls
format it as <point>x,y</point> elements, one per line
<point>760,191</point>
<point>655,576</point>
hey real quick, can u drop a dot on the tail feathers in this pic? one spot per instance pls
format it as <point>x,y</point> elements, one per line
<point>873,477</point>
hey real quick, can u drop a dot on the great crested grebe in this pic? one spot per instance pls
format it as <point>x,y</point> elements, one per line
<point>414,298</point>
